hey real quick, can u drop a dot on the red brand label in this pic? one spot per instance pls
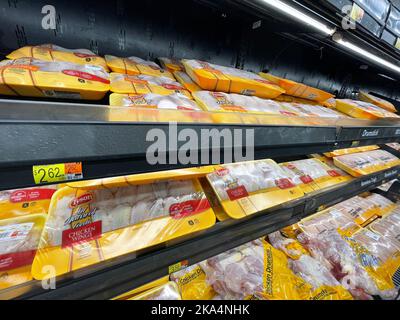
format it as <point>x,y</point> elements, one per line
<point>188,208</point>
<point>222,172</point>
<point>85,75</point>
<point>306,179</point>
<point>17,259</point>
<point>284,183</point>
<point>333,173</point>
<point>237,193</point>
<point>86,233</point>
<point>172,87</point>
<point>184,108</point>
<point>31,195</point>
<point>87,197</point>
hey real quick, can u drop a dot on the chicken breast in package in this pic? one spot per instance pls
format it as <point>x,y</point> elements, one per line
<point>245,188</point>
<point>19,240</point>
<point>213,77</point>
<point>144,84</point>
<point>135,65</point>
<point>94,221</point>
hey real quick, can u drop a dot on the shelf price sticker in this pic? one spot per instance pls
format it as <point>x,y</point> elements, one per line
<point>57,172</point>
<point>178,266</point>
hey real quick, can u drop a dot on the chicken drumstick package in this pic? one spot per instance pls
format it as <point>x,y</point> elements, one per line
<point>93,221</point>
<point>249,187</point>
<point>212,77</point>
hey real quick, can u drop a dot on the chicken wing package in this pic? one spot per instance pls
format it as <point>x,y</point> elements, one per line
<point>312,174</point>
<point>246,188</point>
<point>192,283</point>
<point>362,110</point>
<point>37,78</point>
<point>341,152</point>
<point>19,240</point>
<point>184,79</point>
<point>363,163</point>
<point>347,265</point>
<point>135,66</point>
<point>171,64</point>
<point>385,205</point>
<point>93,221</point>
<point>296,89</point>
<point>144,84</point>
<point>366,97</point>
<point>168,291</point>
<point>50,52</point>
<point>21,202</point>
<point>212,77</point>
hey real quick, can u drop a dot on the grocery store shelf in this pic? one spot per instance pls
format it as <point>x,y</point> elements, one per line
<point>111,278</point>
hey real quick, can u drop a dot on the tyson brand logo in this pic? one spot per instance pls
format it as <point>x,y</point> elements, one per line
<point>372,133</point>
<point>87,197</point>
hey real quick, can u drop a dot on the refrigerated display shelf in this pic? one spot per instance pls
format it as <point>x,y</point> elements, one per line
<point>40,133</point>
<point>111,278</point>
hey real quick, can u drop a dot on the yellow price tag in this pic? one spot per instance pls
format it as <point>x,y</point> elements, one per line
<point>177,266</point>
<point>57,172</point>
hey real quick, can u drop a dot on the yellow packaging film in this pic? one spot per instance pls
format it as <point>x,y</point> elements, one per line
<point>144,84</point>
<point>50,52</point>
<point>363,163</point>
<point>385,205</point>
<point>168,291</point>
<point>21,202</point>
<point>135,66</point>
<point>141,289</point>
<point>19,239</point>
<point>341,152</point>
<point>171,64</point>
<point>192,283</point>
<point>362,110</point>
<point>88,224</point>
<point>226,79</point>
<point>364,96</point>
<point>296,89</point>
<point>36,78</point>
<point>388,226</point>
<point>312,174</point>
<point>184,79</point>
<point>249,187</point>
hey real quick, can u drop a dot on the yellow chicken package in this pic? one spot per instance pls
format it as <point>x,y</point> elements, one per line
<point>135,66</point>
<point>50,52</point>
<point>144,84</point>
<point>21,202</point>
<point>37,78</point>
<point>186,81</point>
<point>19,240</point>
<point>385,205</point>
<point>364,96</point>
<point>245,188</point>
<point>192,283</point>
<point>341,152</point>
<point>296,89</point>
<point>212,77</point>
<point>168,291</point>
<point>171,64</point>
<point>362,110</point>
<point>93,221</point>
<point>143,288</point>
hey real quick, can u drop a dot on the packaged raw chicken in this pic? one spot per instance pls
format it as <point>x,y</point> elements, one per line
<point>171,64</point>
<point>212,77</point>
<point>311,174</point>
<point>329,162</point>
<point>364,96</point>
<point>192,283</point>
<point>93,221</point>
<point>144,84</point>
<point>19,239</point>
<point>296,89</point>
<point>385,205</point>
<point>388,226</point>
<point>36,78</point>
<point>313,110</point>
<point>245,188</point>
<point>362,110</point>
<point>394,145</point>
<point>135,66</point>
<point>363,163</point>
<point>21,202</point>
<point>143,288</point>
<point>186,81</point>
<point>168,291</point>
<point>51,52</point>
<point>341,152</point>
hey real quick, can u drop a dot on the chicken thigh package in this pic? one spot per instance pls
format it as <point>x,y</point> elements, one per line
<point>19,240</point>
<point>213,77</point>
<point>93,221</point>
<point>144,84</point>
<point>246,188</point>
<point>49,79</point>
<point>51,52</point>
<point>362,110</point>
<point>135,66</point>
